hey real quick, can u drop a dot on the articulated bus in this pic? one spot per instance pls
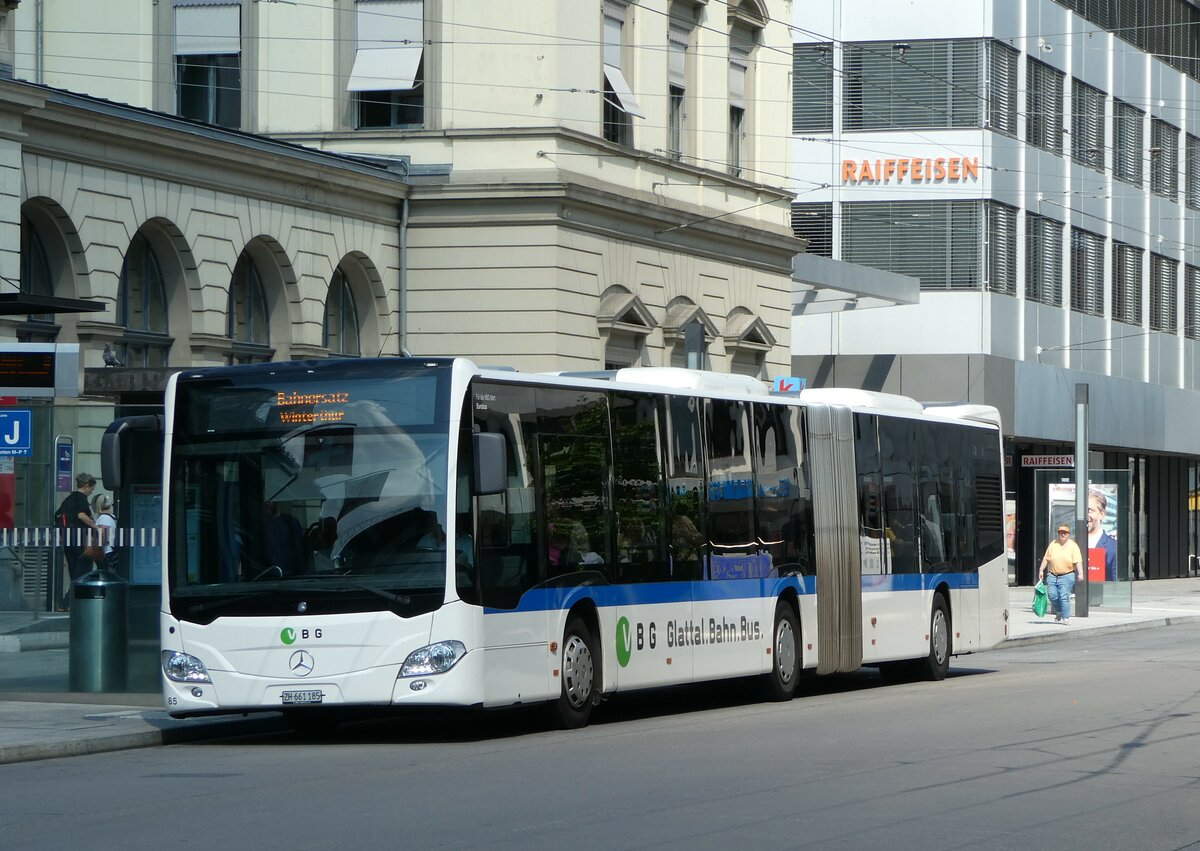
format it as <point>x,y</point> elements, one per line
<point>423,532</point>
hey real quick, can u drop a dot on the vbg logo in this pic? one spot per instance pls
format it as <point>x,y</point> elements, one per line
<point>624,646</point>
<point>288,635</point>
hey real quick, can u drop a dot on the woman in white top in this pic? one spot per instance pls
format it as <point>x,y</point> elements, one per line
<point>107,524</point>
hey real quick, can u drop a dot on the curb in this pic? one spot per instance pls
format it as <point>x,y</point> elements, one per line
<point>1046,638</point>
<point>201,730</point>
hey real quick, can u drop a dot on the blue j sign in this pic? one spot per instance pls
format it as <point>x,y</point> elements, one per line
<point>15,432</point>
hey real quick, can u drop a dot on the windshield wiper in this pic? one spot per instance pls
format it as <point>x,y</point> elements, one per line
<point>387,595</point>
<point>200,608</point>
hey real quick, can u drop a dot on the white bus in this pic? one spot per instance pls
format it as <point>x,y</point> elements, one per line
<point>423,532</point>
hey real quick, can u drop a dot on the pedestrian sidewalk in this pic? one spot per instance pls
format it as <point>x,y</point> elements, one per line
<point>1158,602</point>
<point>42,727</point>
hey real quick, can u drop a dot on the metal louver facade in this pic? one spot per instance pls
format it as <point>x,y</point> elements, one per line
<point>1166,28</point>
<point>916,84</point>
<point>1127,283</point>
<point>1164,287</point>
<point>938,242</point>
<point>1191,302</point>
<point>1191,172</point>
<point>812,87</point>
<point>814,222</point>
<point>1043,106</point>
<point>1087,125</point>
<point>1002,87</point>
<point>1087,272</point>
<point>1043,259</point>
<point>1001,235</point>
<point>1127,142</point>
<point>1164,158</point>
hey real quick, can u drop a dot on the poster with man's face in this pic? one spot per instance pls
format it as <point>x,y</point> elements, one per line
<point>1102,525</point>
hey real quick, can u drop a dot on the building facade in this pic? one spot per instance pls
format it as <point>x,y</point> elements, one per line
<point>1036,164</point>
<point>612,175</point>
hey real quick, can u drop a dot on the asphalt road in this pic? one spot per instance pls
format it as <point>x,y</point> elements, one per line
<point>1089,743</point>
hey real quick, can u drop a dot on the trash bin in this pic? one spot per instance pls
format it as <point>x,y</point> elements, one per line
<point>99,632</point>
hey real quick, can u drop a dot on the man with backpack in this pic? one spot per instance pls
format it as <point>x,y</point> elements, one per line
<point>73,518</point>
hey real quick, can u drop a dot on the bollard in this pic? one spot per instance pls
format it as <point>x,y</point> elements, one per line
<point>99,632</point>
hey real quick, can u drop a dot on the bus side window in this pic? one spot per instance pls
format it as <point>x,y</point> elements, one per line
<point>638,484</point>
<point>685,484</point>
<point>897,451</point>
<point>573,468</point>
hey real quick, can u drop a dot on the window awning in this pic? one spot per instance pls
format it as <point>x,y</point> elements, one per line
<point>381,69</point>
<point>626,102</point>
<point>208,30</point>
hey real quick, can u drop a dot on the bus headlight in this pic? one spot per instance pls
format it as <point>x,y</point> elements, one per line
<point>184,668</point>
<point>433,659</point>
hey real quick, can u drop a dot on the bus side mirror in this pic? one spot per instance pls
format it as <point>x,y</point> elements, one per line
<point>114,445</point>
<point>491,463</point>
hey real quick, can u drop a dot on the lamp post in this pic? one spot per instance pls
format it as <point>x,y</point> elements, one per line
<point>1081,494</point>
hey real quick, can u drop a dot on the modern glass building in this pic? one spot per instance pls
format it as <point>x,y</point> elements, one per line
<point>1036,164</point>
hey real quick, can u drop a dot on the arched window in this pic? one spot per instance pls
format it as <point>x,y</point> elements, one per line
<point>142,308</point>
<point>340,335</point>
<point>246,319</point>
<point>35,280</point>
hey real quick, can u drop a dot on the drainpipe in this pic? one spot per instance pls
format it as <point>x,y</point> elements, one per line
<point>402,322</point>
<point>39,38</point>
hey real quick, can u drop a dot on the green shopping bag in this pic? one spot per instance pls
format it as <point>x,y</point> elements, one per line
<point>1040,599</point>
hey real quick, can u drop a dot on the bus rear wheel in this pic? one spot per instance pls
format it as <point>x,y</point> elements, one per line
<point>936,665</point>
<point>780,684</point>
<point>573,709</point>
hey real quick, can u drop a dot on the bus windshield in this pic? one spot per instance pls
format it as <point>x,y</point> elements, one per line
<point>308,487</point>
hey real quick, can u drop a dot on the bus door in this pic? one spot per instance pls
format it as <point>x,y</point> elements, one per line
<point>657,482</point>
<point>838,552</point>
<point>735,613</point>
<point>506,547</point>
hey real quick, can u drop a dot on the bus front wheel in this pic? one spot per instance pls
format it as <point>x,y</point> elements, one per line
<point>573,709</point>
<point>785,655</point>
<point>936,665</point>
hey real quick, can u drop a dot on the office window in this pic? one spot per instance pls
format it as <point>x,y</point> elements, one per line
<point>814,222</point>
<point>1087,272</point>
<point>1191,302</point>
<point>388,79</point>
<point>938,242</point>
<point>620,105</point>
<point>1164,159</point>
<point>922,84</point>
<point>678,38</point>
<point>1127,284</point>
<point>1000,92</point>
<point>1001,248</point>
<point>142,307</point>
<point>1191,172</point>
<point>1127,142</point>
<point>246,318</point>
<point>208,63</point>
<point>1043,259</point>
<point>739,68</point>
<point>812,87</point>
<point>340,331</point>
<point>1087,125</point>
<point>1043,106</point>
<point>1164,284</point>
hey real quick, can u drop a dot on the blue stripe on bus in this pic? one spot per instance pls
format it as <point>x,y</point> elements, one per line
<point>658,593</point>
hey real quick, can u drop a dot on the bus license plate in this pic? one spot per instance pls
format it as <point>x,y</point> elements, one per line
<point>295,697</point>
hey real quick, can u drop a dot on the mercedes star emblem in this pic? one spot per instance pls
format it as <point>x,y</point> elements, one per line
<point>301,663</point>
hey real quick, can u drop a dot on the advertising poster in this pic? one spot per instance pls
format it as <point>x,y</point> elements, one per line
<point>1102,516</point>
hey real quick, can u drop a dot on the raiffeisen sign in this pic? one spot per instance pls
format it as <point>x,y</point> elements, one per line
<point>911,170</point>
